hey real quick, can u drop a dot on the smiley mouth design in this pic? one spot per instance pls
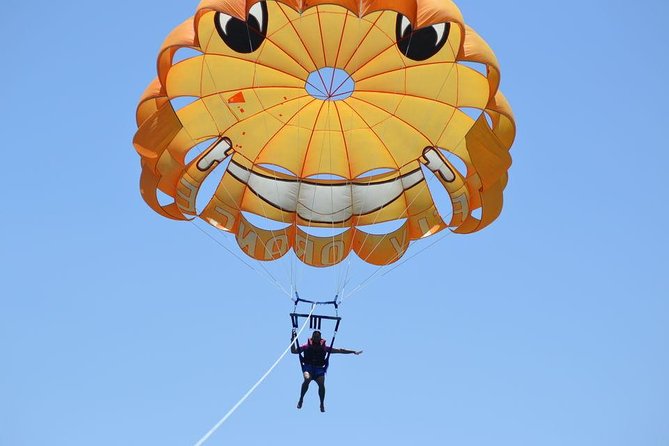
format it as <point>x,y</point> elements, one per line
<point>327,202</point>
<point>323,201</point>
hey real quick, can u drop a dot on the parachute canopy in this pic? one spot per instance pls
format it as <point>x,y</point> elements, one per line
<point>326,114</point>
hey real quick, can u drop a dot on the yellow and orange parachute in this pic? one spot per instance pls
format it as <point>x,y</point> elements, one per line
<point>327,114</point>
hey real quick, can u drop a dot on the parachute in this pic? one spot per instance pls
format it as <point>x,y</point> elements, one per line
<point>326,114</point>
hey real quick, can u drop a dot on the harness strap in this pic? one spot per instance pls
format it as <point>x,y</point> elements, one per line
<point>334,336</point>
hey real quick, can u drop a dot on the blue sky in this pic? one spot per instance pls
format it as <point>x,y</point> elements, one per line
<point>551,327</point>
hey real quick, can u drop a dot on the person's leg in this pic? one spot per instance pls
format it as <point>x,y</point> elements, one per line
<point>304,388</point>
<point>321,391</point>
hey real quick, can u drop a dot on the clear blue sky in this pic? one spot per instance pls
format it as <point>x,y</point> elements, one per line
<point>549,328</point>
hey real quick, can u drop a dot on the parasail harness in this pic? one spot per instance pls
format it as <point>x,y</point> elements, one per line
<point>315,323</point>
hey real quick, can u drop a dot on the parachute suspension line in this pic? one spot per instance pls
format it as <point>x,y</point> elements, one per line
<point>273,280</point>
<point>270,137</point>
<point>447,233</point>
<point>443,236</point>
<point>217,426</point>
<point>373,275</point>
<point>300,268</point>
<point>293,273</point>
<point>344,276</point>
<point>329,130</point>
<point>367,281</point>
<point>292,277</point>
<point>334,250</point>
<point>272,231</point>
<point>269,277</point>
<point>404,213</point>
<point>264,245</point>
<point>320,161</point>
<point>339,268</point>
<point>429,178</point>
<point>381,138</point>
<point>345,279</point>
<point>313,132</point>
<point>295,263</point>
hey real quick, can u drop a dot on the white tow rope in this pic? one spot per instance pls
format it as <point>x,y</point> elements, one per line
<point>252,389</point>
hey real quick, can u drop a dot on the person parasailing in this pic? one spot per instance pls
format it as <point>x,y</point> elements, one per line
<point>315,363</point>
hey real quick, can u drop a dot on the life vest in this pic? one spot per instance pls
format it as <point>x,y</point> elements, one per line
<point>315,354</point>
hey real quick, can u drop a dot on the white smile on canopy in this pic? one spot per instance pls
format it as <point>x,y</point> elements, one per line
<point>321,202</point>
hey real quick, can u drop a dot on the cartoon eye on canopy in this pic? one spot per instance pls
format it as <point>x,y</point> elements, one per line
<point>327,114</point>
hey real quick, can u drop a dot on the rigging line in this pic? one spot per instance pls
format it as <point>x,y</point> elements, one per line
<point>405,212</point>
<point>272,281</point>
<point>443,236</point>
<point>329,132</point>
<point>383,144</point>
<point>341,41</point>
<point>294,260</point>
<point>337,267</point>
<point>406,208</point>
<point>378,54</point>
<point>342,273</point>
<point>348,280</point>
<point>320,160</point>
<point>384,129</point>
<point>362,41</point>
<point>346,277</point>
<point>369,279</point>
<point>241,61</point>
<point>295,267</point>
<point>213,430</point>
<point>320,163</point>
<point>342,268</point>
<point>428,183</point>
<point>304,45</point>
<point>357,288</point>
<point>337,254</point>
<point>279,259</point>
<point>267,132</point>
<point>293,281</point>
<point>222,186</point>
<point>381,140</point>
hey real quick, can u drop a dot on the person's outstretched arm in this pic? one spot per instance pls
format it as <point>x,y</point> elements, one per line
<point>345,351</point>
